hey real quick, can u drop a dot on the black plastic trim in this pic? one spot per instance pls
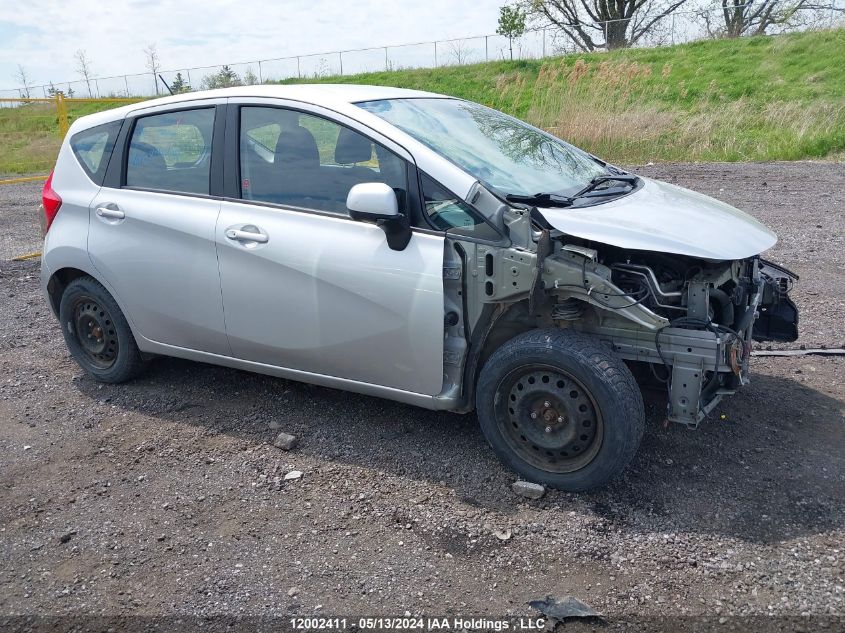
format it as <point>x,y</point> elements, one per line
<point>216,169</point>
<point>231,153</point>
<point>114,171</point>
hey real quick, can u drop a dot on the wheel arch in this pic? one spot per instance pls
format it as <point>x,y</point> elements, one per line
<point>59,280</point>
<point>498,324</point>
<point>63,276</point>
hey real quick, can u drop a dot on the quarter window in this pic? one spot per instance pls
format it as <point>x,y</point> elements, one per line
<point>172,151</point>
<point>93,148</point>
<point>298,159</point>
<point>448,212</point>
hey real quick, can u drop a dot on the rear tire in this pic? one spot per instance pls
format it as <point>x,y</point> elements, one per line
<point>97,334</point>
<point>559,408</point>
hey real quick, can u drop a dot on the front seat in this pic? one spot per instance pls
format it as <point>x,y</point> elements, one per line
<point>296,166</point>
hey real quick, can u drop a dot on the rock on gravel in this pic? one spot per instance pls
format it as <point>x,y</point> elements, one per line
<point>528,489</point>
<point>285,441</point>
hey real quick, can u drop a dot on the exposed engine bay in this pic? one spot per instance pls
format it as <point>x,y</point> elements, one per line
<point>690,322</point>
<point>667,285</point>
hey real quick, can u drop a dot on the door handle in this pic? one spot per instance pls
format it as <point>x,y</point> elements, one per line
<point>112,214</point>
<point>246,236</point>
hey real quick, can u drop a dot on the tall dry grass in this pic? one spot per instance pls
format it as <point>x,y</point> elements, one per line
<point>626,112</point>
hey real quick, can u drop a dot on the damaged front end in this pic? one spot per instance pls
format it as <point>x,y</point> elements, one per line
<point>685,321</point>
<point>691,321</point>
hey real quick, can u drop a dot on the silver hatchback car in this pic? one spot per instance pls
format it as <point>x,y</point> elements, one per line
<point>412,246</point>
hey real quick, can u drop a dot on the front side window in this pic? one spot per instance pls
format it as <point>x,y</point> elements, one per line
<point>93,148</point>
<point>447,212</point>
<point>172,151</point>
<point>505,154</point>
<point>298,159</point>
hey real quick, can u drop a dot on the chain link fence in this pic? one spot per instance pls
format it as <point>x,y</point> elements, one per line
<point>675,28</point>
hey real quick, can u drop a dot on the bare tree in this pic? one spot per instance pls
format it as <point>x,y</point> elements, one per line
<point>459,52</point>
<point>603,24</point>
<point>22,77</point>
<point>153,62</point>
<point>83,68</point>
<point>754,17</point>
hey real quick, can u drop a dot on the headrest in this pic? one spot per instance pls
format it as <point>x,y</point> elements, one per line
<point>296,147</point>
<point>146,156</point>
<point>352,148</point>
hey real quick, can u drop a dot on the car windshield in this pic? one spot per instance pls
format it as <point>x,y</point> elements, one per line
<point>505,154</point>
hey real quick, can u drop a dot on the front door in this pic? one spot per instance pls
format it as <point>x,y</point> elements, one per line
<point>305,287</point>
<point>152,239</point>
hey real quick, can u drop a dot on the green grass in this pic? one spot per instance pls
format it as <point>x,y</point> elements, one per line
<point>762,98</point>
<point>29,133</point>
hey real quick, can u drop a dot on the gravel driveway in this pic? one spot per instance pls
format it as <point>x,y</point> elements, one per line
<point>166,496</point>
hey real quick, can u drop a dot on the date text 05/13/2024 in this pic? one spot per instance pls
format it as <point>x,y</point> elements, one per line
<point>417,624</point>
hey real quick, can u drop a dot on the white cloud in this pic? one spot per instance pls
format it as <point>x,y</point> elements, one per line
<point>43,35</point>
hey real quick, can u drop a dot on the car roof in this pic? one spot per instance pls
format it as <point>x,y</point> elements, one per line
<point>339,98</point>
<point>327,95</point>
<point>319,94</point>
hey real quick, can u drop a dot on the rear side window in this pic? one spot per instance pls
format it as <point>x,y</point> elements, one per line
<point>172,151</point>
<point>93,148</point>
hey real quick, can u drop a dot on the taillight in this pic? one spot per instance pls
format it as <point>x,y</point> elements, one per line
<point>51,202</point>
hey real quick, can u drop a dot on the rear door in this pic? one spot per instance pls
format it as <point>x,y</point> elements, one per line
<point>307,288</point>
<point>152,227</point>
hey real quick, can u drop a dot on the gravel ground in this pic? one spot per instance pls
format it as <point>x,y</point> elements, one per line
<point>165,496</point>
<point>20,229</point>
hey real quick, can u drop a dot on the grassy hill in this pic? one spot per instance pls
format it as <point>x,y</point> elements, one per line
<point>761,98</point>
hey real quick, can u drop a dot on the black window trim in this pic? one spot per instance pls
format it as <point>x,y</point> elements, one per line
<point>116,171</point>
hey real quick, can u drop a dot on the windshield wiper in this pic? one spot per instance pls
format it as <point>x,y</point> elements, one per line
<point>541,199</point>
<point>590,190</point>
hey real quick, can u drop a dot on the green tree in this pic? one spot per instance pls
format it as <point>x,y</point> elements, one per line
<point>52,91</point>
<point>179,85</point>
<point>249,78</point>
<point>511,24</point>
<point>224,78</point>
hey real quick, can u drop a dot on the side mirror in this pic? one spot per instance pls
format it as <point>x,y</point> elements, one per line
<point>377,201</point>
<point>372,201</point>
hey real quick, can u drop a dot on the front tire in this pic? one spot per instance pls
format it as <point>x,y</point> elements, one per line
<point>560,409</point>
<point>96,332</point>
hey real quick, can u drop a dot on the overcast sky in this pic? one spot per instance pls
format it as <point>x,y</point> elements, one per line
<point>43,35</point>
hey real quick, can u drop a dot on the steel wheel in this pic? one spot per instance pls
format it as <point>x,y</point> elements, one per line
<point>95,332</point>
<point>548,418</point>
